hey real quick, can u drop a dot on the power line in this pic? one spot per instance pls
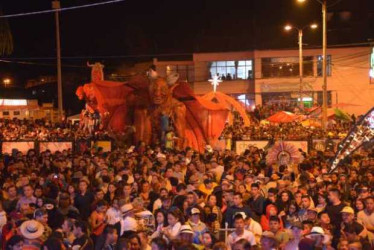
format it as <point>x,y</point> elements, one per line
<point>98,57</point>
<point>61,9</point>
<point>40,64</point>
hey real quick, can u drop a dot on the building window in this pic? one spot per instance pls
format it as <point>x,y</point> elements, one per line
<point>16,113</point>
<point>232,70</point>
<point>5,112</point>
<point>320,98</point>
<point>186,72</point>
<point>286,67</point>
<point>320,64</point>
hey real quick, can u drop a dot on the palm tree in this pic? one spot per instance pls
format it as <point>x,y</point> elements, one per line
<point>6,38</point>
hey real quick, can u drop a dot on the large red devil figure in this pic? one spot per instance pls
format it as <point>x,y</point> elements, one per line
<point>143,102</point>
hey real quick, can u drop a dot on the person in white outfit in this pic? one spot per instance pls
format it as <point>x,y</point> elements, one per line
<point>240,232</point>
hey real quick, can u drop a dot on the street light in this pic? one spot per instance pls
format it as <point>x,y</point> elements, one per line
<point>324,64</point>
<point>6,81</point>
<point>300,32</point>
<point>288,27</point>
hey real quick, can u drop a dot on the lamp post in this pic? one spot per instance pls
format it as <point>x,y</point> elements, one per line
<point>6,82</point>
<point>300,35</point>
<point>324,64</point>
<point>56,7</point>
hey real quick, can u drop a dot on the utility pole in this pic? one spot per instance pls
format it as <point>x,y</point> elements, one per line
<point>56,7</point>
<point>301,67</point>
<point>301,61</point>
<point>324,66</point>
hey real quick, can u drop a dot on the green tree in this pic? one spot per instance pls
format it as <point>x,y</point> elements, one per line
<point>6,38</point>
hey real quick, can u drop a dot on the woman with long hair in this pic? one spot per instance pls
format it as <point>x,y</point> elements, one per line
<point>208,240</point>
<point>161,222</point>
<point>214,218</point>
<point>243,190</point>
<point>97,219</point>
<point>322,202</point>
<point>358,205</point>
<point>283,201</point>
<point>176,220</point>
<point>290,216</point>
<point>111,194</point>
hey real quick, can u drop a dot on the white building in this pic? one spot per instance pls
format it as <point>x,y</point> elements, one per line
<point>262,76</point>
<point>26,109</point>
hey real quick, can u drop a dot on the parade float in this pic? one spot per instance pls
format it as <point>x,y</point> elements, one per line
<point>154,106</point>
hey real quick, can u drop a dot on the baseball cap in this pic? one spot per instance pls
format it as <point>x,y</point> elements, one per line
<point>195,211</point>
<point>348,210</point>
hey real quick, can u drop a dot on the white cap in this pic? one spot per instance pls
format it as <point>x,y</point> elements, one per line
<point>317,230</point>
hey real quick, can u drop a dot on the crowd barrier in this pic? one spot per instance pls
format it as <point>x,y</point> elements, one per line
<point>241,146</point>
<point>9,147</point>
<point>81,145</point>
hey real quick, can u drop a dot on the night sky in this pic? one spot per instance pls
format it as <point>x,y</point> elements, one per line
<point>136,30</point>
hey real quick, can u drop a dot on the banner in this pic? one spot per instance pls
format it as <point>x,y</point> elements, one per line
<point>23,146</point>
<point>299,144</point>
<point>106,145</point>
<point>323,144</point>
<point>241,146</point>
<point>55,146</point>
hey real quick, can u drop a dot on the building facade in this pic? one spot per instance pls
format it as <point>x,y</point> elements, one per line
<point>264,76</point>
<point>27,109</point>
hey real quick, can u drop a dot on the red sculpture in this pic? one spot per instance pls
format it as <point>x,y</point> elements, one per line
<point>144,103</point>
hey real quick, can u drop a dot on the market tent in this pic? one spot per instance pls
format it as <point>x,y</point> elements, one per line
<point>283,117</point>
<point>227,102</point>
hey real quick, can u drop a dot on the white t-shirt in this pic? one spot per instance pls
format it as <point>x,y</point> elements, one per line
<point>247,235</point>
<point>256,229</point>
<point>113,215</point>
<point>174,230</point>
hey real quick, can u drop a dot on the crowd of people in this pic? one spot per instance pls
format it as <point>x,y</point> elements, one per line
<point>283,131</point>
<point>44,130</point>
<point>151,198</point>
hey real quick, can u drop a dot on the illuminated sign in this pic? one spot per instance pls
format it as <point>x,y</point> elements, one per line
<point>13,102</point>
